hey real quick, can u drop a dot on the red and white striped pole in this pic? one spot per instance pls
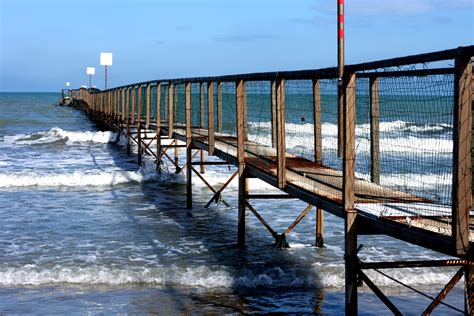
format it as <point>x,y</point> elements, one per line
<point>340,67</point>
<point>340,37</point>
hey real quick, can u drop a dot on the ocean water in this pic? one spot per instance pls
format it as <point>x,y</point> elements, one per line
<point>85,230</point>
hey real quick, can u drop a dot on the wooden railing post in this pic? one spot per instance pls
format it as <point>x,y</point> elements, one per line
<point>127,119</point>
<point>148,101</point>
<point>175,112</point>
<point>133,106</point>
<point>462,191</point>
<point>139,125</point>
<point>274,111</point>
<point>374,130</point>
<point>243,188</point>
<point>158,127</point>
<point>318,151</point>
<point>102,103</point>
<point>219,107</point>
<point>318,155</point>
<point>122,92</point>
<point>210,116</point>
<point>170,109</point>
<point>202,111</point>
<point>280,127</point>
<point>189,186</point>
<point>348,194</point>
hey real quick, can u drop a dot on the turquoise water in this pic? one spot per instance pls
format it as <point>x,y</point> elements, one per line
<point>84,230</point>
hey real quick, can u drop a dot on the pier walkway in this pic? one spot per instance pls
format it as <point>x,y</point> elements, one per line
<point>387,148</point>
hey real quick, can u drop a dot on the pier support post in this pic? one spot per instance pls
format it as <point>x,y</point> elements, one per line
<point>139,126</point>
<point>348,196</point>
<point>174,106</point>
<point>127,119</point>
<point>469,288</point>
<point>201,97</point>
<point>189,158</point>
<point>243,182</point>
<point>243,192</point>
<point>219,107</point>
<point>319,228</point>
<point>462,191</point>
<point>158,127</point>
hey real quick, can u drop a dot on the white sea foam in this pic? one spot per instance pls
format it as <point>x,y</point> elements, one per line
<point>330,275</point>
<point>201,276</point>
<point>395,137</point>
<point>73,179</point>
<point>57,133</point>
<point>413,276</point>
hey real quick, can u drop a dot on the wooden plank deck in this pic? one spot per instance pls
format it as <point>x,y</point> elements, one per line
<point>326,183</point>
<point>314,177</point>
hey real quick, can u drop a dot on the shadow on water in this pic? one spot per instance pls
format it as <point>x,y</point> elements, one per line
<point>264,279</point>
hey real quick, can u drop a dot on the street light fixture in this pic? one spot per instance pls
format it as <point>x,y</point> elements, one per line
<point>90,71</point>
<point>106,60</point>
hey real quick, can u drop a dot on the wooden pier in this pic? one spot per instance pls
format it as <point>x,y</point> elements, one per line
<point>218,115</point>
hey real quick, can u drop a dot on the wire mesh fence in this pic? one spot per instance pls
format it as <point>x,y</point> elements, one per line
<point>404,132</point>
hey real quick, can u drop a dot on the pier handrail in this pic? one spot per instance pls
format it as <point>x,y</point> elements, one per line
<point>119,102</point>
<point>412,119</point>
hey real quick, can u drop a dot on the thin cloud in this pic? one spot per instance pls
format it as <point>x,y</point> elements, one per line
<point>243,38</point>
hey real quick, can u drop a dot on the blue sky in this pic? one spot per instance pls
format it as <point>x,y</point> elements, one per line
<point>44,43</point>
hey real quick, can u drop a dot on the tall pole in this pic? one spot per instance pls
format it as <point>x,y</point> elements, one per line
<point>90,81</point>
<point>346,150</point>
<point>340,71</point>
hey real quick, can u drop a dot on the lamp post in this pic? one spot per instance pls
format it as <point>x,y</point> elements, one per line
<point>106,60</point>
<point>90,71</point>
